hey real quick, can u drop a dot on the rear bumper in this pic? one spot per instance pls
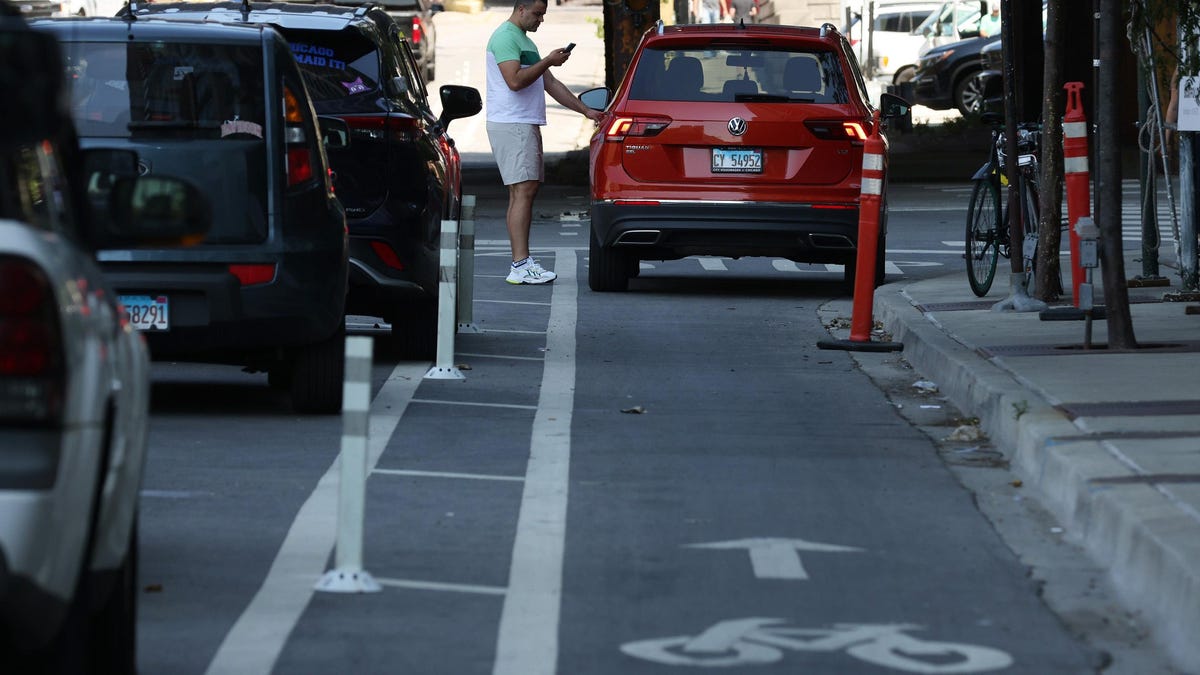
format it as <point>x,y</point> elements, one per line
<point>799,232</point>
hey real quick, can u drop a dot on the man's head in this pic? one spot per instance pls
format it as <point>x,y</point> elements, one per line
<point>528,14</point>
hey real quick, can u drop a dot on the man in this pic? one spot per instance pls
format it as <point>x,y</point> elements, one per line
<point>990,24</point>
<point>517,81</point>
<point>709,11</point>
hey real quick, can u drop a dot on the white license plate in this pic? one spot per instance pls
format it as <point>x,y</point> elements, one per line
<point>729,160</point>
<point>147,312</point>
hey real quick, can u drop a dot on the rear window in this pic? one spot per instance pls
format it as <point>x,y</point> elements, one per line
<point>178,89</point>
<point>336,66</point>
<point>731,74</point>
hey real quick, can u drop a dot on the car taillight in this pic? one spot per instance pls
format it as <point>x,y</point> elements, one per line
<point>416,32</point>
<point>621,127</point>
<point>32,377</point>
<point>249,275</point>
<point>837,130</point>
<point>387,254</point>
<point>300,159</point>
<point>399,128</point>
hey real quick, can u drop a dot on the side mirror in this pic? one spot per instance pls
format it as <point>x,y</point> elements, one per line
<point>335,133</point>
<point>892,106</point>
<point>458,101</point>
<point>596,99</point>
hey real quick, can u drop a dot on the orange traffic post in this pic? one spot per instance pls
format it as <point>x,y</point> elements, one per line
<point>870,206</point>
<point>1078,178</point>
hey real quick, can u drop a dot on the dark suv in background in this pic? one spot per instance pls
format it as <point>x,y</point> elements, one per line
<point>226,108</point>
<point>399,175</point>
<point>416,22</point>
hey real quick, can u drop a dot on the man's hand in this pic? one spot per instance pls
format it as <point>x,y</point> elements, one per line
<point>558,56</point>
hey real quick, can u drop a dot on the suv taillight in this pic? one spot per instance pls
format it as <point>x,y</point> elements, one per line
<point>397,128</point>
<point>416,32</point>
<point>837,130</point>
<point>620,127</point>
<point>300,160</point>
<point>32,377</point>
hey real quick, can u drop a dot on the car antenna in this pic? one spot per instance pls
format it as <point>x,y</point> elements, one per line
<point>246,11</point>
<point>742,23</point>
<point>131,11</point>
<point>659,25</point>
<point>825,28</point>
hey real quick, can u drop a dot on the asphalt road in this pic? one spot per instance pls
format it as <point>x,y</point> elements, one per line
<point>623,483</point>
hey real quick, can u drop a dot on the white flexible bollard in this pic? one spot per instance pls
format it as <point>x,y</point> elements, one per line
<point>443,368</point>
<point>466,266</point>
<point>348,575</point>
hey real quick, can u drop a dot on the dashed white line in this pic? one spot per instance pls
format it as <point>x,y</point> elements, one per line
<point>446,474</point>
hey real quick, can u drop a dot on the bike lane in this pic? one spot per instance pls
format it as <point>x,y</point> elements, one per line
<point>769,508</point>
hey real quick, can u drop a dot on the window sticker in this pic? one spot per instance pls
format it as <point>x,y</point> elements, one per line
<point>182,72</point>
<point>315,55</point>
<point>356,87</point>
<point>238,126</point>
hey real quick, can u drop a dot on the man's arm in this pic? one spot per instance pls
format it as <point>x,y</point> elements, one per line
<point>517,78</point>
<point>559,92</point>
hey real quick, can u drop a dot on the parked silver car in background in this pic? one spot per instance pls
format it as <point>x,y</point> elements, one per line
<point>74,378</point>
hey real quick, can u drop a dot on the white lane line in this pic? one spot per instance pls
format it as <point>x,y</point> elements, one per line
<point>440,586</point>
<point>513,302</point>
<point>713,264</point>
<point>472,403</point>
<point>258,636</point>
<point>517,332</point>
<point>527,642</point>
<point>499,356</point>
<point>446,474</point>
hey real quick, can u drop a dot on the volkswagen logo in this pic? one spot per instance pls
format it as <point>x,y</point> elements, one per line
<point>737,126</point>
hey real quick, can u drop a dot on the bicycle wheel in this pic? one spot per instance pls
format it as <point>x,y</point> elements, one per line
<point>982,241</point>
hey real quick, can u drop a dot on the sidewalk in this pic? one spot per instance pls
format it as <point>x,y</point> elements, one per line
<point>1109,439</point>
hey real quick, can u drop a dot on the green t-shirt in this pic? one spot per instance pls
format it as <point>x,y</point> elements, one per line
<point>510,43</point>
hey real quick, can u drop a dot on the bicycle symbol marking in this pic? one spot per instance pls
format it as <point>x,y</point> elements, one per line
<point>760,641</point>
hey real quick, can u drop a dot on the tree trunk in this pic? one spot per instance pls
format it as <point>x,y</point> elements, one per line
<point>1012,206</point>
<point>1108,185</point>
<point>1049,273</point>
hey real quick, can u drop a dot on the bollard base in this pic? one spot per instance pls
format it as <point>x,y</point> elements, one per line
<point>444,373</point>
<point>348,581</point>
<point>469,328</point>
<point>860,346</point>
<point>1019,300</point>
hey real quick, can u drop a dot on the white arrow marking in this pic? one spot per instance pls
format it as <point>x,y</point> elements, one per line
<point>777,558</point>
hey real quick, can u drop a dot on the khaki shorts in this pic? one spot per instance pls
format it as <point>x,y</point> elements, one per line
<point>518,151</point>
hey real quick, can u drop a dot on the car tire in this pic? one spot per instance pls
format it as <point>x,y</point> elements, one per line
<point>317,379</point>
<point>430,73</point>
<point>904,75</point>
<point>113,634</point>
<point>608,269</point>
<point>415,334</point>
<point>969,95</point>
<point>280,375</point>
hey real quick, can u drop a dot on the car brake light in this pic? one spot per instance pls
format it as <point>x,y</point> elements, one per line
<point>416,31</point>
<point>835,130</point>
<point>299,165</point>
<point>249,275</point>
<point>400,128</point>
<point>621,127</point>
<point>32,377</point>
<point>387,254</point>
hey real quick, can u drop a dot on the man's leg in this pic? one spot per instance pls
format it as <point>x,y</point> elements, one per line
<point>520,216</point>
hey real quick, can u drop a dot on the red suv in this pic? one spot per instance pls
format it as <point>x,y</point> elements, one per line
<point>731,140</point>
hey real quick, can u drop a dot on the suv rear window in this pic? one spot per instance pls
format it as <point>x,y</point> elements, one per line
<point>336,66</point>
<point>180,89</point>
<point>725,75</point>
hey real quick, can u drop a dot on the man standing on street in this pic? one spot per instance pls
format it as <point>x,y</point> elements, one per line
<point>517,81</point>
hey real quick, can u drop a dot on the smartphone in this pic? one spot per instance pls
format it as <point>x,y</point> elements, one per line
<point>570,46</point>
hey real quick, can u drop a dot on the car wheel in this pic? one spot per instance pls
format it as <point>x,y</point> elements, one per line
<point>905,75</point>
<point>113,633</point>
<point>317,379</point>
<point>415,334</point>
<point>969,95</point>
<point>608,269</point>
<point>430,73</point>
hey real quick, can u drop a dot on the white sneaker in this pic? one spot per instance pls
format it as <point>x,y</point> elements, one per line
<point>533,262</point>
<point>530,273</point>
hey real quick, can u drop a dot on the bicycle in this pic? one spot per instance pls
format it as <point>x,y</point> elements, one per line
<point>757,641</point>
<point>987,219</point>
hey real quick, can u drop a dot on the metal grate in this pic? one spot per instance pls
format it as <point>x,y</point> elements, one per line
<point>1182,347</point>
<point>1149,479</point>
<point>1130,408</point>
<point>956,306</point>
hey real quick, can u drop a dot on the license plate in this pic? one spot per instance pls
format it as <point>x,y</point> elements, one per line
<point>739,160</point>
<point>147,312</point>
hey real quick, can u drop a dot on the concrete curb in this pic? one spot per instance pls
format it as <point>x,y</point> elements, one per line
<point>1144,538</point>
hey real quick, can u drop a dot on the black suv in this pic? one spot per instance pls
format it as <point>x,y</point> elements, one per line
<point>946,79</point>
<point>225,107</point>
<point>415,18</point>
<point>400,175</point>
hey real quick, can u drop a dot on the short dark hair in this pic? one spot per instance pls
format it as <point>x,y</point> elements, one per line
<point>527,3</point>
